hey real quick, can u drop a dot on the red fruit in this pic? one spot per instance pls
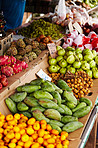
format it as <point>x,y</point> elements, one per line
<point>4,81</point>
<point>0,86</point>
<point>22,63</point>
<point>95,42</point>
<point>8,61</point>
<point>13,60</point>
<point>92,35</point>
<point>0,76</point>
<point>17,68</point>
<point>86,40</point>
<point>7,70</point>
<point>3,60</point>
<point>3,76</point>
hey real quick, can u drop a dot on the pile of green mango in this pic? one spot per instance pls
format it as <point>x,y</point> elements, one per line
<point>54,103</point>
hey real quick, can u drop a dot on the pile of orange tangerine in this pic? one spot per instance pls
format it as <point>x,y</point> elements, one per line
<point>17,131</point>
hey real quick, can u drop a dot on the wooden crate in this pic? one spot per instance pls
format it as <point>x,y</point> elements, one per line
<point>5,42</point>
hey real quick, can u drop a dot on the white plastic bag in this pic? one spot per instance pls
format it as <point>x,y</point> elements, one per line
<point>61,10</point>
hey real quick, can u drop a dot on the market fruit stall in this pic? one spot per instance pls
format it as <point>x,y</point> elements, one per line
<point>27,76</point>
<point>48,97</point>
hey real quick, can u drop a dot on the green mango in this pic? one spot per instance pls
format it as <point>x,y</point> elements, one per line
<point>47,86</point>
<point>67,119</point>
<point>18,97</point>
<point>11,105</point>
<point>60,110</point>
<point>57,88</point>
<point>79,106</point>
<point>60,124</point>
<point>38,115</point>
<point>38,108</point>
<point>63,85</point>
<point>72,126</point>
<point>42,94</point>
<point>57,96</point>
<point>82,112</point>
<point>52,114</point>
<point>70,105</point>
<point>30,88</point>
<point>87,101</point>
<point>21,106</point>
<point>30,101</point>
<point>67,110</point>
<point>19,88</point>
<point>47,103</point>
<point>38,81</point>
<point>69,97</point>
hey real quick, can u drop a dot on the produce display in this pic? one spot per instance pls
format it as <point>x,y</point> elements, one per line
<point>38,27</point>
<point>17,131</point>
<point>84,3</point>
<point>71,14</point>
<point>80,82</point>
<point>71,59</point>
<point>44,40</point>
<point>24,49</point>
<point>9,65</point>
<point>3,81</point>
<point>56,104</point>
<point>82,41</point>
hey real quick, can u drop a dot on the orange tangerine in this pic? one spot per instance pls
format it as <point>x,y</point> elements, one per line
<point>20,143</point>
<point>48,127</point>
<point>31,121</point>
<point>27,144</point>
<point>14,140</point>
<point>12,145</point>
<point>17,136</point>
<point>55,132</point>
<point>35,136</point>
<point>29,130</point>
<point>51,140</point>
<point>50,146</point>
<point>9,117</point>
<point>1,130</point>
<point>17,116</point>
<point>40,140</point>
<point>22,131</point>
<point>25,138</point>
<point>36,126</point>
<point>16,129</point>
<point>35,145</point>
<point>41,132</point>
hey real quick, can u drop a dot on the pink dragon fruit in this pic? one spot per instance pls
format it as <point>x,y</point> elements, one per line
<point>17,68</point>
<point>7,70</point>
<point>22,63</point>
<point>13,60</point>
<point>3,60</point>
<point>8,61</point>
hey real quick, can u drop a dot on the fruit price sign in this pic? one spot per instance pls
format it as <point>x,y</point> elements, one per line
<point>43,75</point>
<point>52,50</point>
